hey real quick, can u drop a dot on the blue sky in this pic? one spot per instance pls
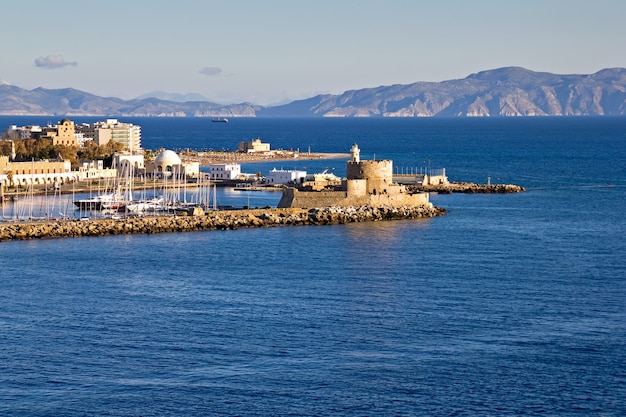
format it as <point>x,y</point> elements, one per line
<point>272,51</point>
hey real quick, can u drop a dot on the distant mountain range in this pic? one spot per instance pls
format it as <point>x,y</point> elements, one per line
<point>179,98</point>
<point>510,91</point>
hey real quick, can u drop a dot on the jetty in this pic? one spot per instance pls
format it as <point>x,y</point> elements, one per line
<point>469,188</point>
<point>212,220</point>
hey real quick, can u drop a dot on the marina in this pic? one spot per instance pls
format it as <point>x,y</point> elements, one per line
<point>158,197</point>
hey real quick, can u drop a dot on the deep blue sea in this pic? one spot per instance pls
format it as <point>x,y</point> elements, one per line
<point>508,305</point>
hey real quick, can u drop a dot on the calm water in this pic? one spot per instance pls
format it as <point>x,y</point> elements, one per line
<point>508,305</point>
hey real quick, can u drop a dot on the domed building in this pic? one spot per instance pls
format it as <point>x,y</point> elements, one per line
<point>167,161</point>
<point>167,164</point>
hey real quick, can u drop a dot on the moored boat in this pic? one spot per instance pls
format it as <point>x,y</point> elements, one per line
<point>246,186</point>
<point>152,205</point>
<point>113,201</point>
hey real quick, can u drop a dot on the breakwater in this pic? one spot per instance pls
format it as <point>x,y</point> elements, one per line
<point>470,188</point>
<point>219,220</point>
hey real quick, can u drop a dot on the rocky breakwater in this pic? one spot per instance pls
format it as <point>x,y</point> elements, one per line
<point>471,188</point>
<point>221,220</point>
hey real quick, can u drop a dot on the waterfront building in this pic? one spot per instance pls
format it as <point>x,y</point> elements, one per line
<point>36,172</point>
<point>255,145</point>
<point>228,171</point>
<point>127,164</point>
<point>284,176</point>
<point>113,130</point>
<point>95,170</point>
<point>95,164</point>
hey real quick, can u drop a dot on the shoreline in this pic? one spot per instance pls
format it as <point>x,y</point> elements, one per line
<point>211,157</point>
<point>213,220</point>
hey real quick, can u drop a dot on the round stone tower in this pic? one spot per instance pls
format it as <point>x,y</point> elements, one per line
<point>378,174</point>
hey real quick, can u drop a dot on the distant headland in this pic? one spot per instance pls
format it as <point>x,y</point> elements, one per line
<point>502,92</point>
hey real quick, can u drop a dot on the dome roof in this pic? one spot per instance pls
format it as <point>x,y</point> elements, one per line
<point>168,158</point>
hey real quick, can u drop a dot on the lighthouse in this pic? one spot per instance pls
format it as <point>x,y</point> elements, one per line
<point>356,153</point>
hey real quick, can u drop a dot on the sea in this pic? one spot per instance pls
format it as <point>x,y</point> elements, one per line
<point>510,304</point>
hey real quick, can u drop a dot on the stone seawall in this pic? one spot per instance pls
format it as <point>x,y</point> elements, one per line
<point>221,220</point>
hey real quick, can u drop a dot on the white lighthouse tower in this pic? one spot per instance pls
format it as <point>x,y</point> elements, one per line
<point>356,153</point>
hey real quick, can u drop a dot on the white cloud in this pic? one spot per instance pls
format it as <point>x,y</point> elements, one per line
<point>211,71</point>
<point>53,61</point>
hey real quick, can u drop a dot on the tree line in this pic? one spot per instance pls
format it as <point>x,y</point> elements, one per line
<point>38,149</point>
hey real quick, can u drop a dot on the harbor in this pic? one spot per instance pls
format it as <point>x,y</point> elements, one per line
<point>137,183</point>
<point>321,199</point>
<point>164,191</point>
<point>169,201</point>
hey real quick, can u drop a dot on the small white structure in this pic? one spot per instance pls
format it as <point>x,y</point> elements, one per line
<point>127,164</point>
<point>95,169</point>
<point>284,176</point>
<point>224,171</point>
<point>191,169</point>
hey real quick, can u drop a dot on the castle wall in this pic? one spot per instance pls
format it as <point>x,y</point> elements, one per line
<point>410,200</point>
<point>293,198</point>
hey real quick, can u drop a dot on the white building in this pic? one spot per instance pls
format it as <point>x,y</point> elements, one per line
<point>22,132</point>
<point>113,130</point>
<point>229,171</point>
<point>95,170</point>
<point>283,176</point>
<point>35,172</point>
<point>126,164</point>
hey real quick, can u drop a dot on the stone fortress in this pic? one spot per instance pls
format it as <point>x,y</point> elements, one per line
<point>367,183</point>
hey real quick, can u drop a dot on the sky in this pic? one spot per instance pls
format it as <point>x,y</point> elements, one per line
<point>270,52</point>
